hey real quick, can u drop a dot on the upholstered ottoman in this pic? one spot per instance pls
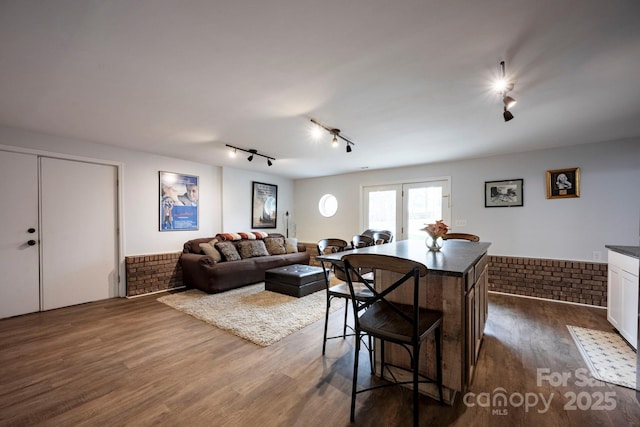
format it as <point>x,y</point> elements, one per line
<point>295,280</point>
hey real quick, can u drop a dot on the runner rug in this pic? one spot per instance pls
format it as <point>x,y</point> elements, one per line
<point>607,355</point>
<point>250,312</point>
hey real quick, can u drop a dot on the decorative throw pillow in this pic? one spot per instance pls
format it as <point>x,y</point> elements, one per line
<point>260,234</point>
<point>247,235</point>
<point>252,248</point>
<point>210,249</point>
<point>291,243</point>
<point>228,236</point>
<point>228,251</point>
<point>275,245</point>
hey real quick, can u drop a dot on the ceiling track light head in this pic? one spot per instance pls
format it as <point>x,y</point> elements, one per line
<point>507,115</point>
<point>509,101</point>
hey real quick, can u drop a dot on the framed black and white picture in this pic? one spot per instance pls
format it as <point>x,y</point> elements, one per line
<point>264,205</point>
<point>563,183</point>
<point>179,198</point>
<point>503,194</point>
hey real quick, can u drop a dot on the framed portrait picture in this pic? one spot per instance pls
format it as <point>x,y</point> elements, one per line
<point>503,194</point>
<point>264,205</point>
<point>563,183</point>
<point>179,199</point>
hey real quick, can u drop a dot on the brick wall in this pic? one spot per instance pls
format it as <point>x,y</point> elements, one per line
<point>152,273</point>
<point>581,282</point>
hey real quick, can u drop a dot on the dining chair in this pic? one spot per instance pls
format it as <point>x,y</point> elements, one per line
<point>341,289</point>
<point>361,241</point>
<point>381,237</point>
<point>370,232</point>
<point>461,236</point>
<point>404,325</point>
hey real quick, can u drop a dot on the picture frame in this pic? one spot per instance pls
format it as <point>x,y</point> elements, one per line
<point>264,205</point>
<point>178,202</point>
<point>506,193</point>
<point>563,183</point>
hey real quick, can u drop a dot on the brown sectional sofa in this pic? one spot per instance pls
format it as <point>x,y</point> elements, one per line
<point>203,272</point>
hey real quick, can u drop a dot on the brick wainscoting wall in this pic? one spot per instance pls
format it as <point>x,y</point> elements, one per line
<point>152,273</point>
<point>573,281</point>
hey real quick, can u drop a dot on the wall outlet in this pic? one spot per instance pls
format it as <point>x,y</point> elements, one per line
<point>460,222</point>
<point>597,256</point>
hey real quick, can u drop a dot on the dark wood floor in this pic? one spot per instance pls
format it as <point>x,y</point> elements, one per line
<point>139,362</point>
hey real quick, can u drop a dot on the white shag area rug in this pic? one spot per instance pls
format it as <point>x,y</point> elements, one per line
<point>607,355</point>
<point>262,317</point>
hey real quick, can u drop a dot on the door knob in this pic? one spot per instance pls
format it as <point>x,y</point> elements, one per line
<point>31,230</point>
<point>31,242</point>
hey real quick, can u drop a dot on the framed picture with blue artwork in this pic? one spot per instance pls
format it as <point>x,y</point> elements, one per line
<point>179,199</point>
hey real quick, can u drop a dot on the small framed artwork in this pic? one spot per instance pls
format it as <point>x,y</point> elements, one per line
<point>563,183</point>
<point>264,205</point>
<point>179,199</point>
<point>503,194</point>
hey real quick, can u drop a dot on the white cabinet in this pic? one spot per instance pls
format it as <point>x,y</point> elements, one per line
<point>622,295</point>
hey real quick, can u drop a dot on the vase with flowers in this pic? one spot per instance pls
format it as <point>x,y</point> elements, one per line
<point>435,232</point>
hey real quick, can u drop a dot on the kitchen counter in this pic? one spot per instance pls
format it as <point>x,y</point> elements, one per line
<point>632,251</point>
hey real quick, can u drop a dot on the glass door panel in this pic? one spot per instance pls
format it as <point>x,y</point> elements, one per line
<point>404,209</point>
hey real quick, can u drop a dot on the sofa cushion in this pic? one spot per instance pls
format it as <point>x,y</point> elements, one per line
<point>228,251</point>
<point>275,245</point>
<point>210,249</point>
<point>251,248</point>
<point>291,243</point>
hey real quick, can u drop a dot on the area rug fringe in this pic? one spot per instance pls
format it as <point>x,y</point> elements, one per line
<point>259,316</point>
<point>607,355</point>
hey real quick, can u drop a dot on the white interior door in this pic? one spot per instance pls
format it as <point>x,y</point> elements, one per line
<point>19,281</point>
<point>78,232</point>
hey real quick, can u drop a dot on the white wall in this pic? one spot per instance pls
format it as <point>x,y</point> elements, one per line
<point>224,194</point>
<point>606,212</point>
<point>237,190</point>
<point>139,188</point>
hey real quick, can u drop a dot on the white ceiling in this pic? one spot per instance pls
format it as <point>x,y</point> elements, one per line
<point>408,81</point>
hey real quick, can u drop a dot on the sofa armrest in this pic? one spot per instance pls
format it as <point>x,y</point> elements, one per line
<point>195,260</point>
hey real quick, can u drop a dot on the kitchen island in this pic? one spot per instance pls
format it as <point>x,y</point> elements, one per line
<point>456,285</point>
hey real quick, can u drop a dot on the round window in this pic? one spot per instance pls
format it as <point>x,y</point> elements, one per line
<point>328,205</point>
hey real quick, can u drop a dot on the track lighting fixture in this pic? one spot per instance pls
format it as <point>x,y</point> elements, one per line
<point>508,101</point>
<point>252,152</point>
<point>336,134</point>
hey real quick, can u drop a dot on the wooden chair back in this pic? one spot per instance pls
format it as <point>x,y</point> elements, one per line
<point>461,236</point>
